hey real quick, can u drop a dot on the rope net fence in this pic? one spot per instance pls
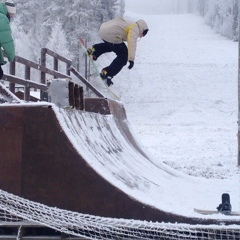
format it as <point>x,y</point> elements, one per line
<point>14,209</point>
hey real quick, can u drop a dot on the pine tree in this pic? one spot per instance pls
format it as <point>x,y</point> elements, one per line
<point>31,20</point>
<point>120,8</point>
<point>58,43</point>
<point>77,18</point>
<point>23,43</point>
<point>222,16</point>
<point>202,7</point>
<point>109,9</point>
<point>235,24</point>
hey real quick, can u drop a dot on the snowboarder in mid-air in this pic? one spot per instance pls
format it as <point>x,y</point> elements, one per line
<point>114,33</point>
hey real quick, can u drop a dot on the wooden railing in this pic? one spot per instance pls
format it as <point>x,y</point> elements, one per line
<point>41,84</point>
<point>56,59</point>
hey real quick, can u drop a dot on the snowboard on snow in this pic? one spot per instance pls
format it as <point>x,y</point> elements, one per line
<point>210,212</point>
<point>223,208</point>
<point>97,72</point>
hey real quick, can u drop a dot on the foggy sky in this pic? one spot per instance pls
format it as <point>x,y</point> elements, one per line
<point>161,6</point>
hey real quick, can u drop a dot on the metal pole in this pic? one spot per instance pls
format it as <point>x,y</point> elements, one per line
<point>238,83</point>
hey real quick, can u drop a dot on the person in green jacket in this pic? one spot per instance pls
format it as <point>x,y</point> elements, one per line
<point>7,11</point>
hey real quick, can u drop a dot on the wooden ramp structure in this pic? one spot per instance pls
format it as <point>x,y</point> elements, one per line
<point>82,158</point>
<point>40,162</point>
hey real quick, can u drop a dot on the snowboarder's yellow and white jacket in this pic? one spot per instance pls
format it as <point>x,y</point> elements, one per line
<point>119,30</point>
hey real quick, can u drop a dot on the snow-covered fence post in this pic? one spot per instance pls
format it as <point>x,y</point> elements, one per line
<point>27,88</point>
<point>43,63</point>
<point>43,74</point>
<point>55,65</point>
<point>12,71</point>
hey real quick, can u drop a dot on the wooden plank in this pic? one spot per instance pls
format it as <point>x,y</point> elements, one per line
<point>8,95</point>
<point>71,94</point>
<point>57,56</point>
<point>28,83</point>
<point>40,67</point>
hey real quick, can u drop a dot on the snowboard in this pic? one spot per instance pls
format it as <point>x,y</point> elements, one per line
<point>97,72</point>
<point>210,212</point>
<point>223,208</point>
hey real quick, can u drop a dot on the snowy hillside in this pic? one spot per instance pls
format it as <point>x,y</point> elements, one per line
<point>181,95</point>
<point>181,103</point>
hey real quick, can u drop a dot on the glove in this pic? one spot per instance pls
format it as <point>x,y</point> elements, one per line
<point>131,63</point>
<point>3,63</point>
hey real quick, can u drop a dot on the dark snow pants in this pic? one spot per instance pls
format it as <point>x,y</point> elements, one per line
<point>119,62</point>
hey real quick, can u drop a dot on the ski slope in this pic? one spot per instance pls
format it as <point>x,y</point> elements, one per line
<point>181,102</point>
<point>181,96</point>
<point>181,105</point>
<point>103,143</point>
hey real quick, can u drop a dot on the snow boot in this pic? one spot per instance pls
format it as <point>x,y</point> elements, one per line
<point>90,52</point>
<point>225,207</point>
<point>106,78</point>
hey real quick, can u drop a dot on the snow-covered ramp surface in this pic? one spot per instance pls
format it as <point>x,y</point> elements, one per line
<point>102,141</point>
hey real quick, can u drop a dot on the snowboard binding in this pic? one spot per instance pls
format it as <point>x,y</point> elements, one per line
<point>225,207</point>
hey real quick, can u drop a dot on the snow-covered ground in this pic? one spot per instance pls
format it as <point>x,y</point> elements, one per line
<point>181,99</point>
<point>181,103</point>
<point>181,95</point>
